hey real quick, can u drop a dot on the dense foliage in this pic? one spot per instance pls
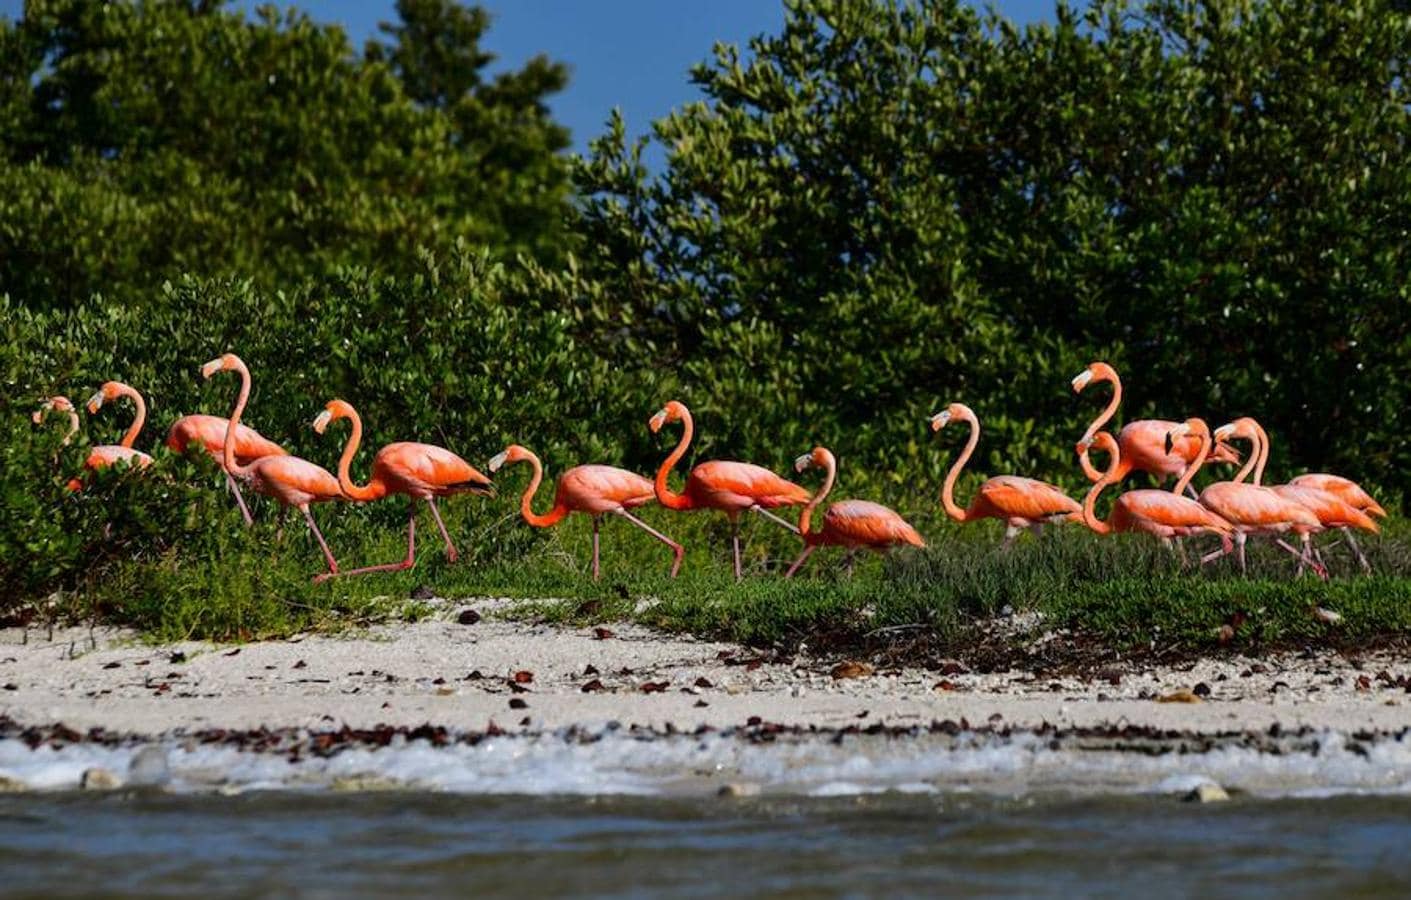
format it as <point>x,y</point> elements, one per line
<point>886,207</point>
<point>140,141</point>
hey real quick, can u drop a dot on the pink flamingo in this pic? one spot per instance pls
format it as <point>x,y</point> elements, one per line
<point>593,490</point>
<point>208,432</point>
<point>1142,442</point>
<point>420,471</point>
<point>1330,508</point>
<point>1165,514</point>
<point>104,455</point>
<point>1254,510</point>
<point>731,487</point>
<point>60,403</point>
<point>1345,489</point>
<point>1020,502</point>
<point>854,524</point>
<point>287,479</point>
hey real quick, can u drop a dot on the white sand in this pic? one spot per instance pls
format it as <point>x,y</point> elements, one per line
<point>390,675</point>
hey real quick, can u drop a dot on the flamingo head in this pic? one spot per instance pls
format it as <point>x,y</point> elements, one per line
<point>673,411</point>
<point>954,411</point>
<point>1102,441</point>
<point>818,456</point>
<point>1097,371</point>
<point>1193,426</point>
<point>332,412</point>
<point>111,390</point>
<point>56,403</point>
<point>224,363</point>
<point>511,454</point>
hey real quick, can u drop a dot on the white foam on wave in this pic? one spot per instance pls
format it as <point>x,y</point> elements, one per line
<point>620,763</point>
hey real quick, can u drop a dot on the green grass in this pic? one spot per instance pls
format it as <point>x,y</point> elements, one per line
<point>1126,593</point>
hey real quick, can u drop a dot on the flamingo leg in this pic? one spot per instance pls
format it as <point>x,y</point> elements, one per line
<point>595,548</point>
<point>807,551</point>
<point>1357,551</point>
<point>735,545</point>
<point>279,524</point>
<point>451,555</point>
<point>1190,491</point>
<point>677,550</point>
<point>1010,533</point>
<point>777,520</point>
<point>323,544</point>
<point>848,560</point>
<point>386,567</point>
<point>239,500</point>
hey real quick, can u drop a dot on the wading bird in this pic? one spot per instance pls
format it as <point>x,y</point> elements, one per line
<point>59,403</point>
<point>1166,514</point>
<point>1332,511</point>
<point>1142,442</point>
<point>1254,510</point>
<point>287,479</point>
<point>854,524</point>
<point>1344,489</point>
<point>731,487</point>
<point>208,432</point>
<point>1020,502</point>
<point>104,455</point>
<point>593,490</point>
<point>420,471</point>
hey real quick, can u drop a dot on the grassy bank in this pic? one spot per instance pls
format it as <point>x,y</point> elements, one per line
<point>1126,594</point>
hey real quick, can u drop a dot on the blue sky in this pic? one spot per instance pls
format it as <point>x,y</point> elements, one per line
<point>634,54</point>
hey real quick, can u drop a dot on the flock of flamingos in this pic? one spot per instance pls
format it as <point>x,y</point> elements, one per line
<point>1232,510</point>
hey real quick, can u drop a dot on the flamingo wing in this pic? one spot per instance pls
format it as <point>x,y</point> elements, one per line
<point>294,481</point>
<point>1345,489</point>
<point>863,523</point>
<point>740,485</point>
<point>1015,497</point>
<point>1332,511</point>
<point>1251,507</point>
<point>1143,444</point>
<point>598,489</point>
<point>209,432</point>
<point>426,468</point>
<point>1166,514</point>
<point>105,455</point>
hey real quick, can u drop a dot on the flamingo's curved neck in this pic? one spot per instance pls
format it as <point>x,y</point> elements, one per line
<point>73,428</point>
<point>130,436</point>
<point>948,489</point>
<point>228,447</point>
<point>1250,462</point>
<point>665,495</point>
<point>1189,473</point>
<point>1263,437</point>
<point>1090,501</point>
<point>373,489</point>
<point>1091,471</point>
<point>806,517</point>
<point>553,516</point>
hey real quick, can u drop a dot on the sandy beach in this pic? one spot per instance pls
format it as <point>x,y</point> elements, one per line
<point>528,677</point>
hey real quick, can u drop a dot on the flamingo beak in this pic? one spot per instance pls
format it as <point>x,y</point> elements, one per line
<point>321,421</point>
<point>38,415</point>
<point>1224,432</point>
<point>803,462</point>
<point>1081,380</point>
<point>939,420</point>
<point>95,403</point>
<point>657,421</point>
<point>212,368</point>
<point>1084,444</point>
<point>498,460</point>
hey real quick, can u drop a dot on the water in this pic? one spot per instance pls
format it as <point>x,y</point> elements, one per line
<point>280,843</point>
<point>622,813</point>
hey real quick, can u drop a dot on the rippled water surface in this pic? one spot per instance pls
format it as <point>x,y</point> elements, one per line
<point>282,843</point>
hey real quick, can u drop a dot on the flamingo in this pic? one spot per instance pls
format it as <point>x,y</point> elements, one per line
<point>1345,489</point>
<point>104,455</point>
<point>1141,441</point>
<point>1021,502</point>
<point>1332,510</point>
<point>60,403</point>
<point>287,479</point>
<point>1166,514</point>
<point>854,524</point>
<point>732,487</point>
<point>1254,510</point>
<point>421,471</point>
<point>208,432</point>
<point>594,490</point>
